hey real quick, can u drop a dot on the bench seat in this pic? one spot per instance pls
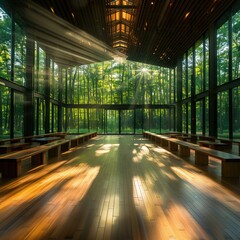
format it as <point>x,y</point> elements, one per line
<point>214,145</point>
<point>230,163</point>
<point>57,147</point>
<point>6,148</point>
<point>78,139</point>
<point>10,164</point>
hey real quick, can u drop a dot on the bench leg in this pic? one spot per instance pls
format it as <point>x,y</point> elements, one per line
<point>10,169</point>
<point>230,169</point>
<point>39,159</point>
<point>184,151</point>
<point>65,147</point>
<point>201,158</point>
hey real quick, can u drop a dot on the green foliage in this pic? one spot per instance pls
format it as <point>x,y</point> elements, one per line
<point>119,83</point>
<point>222,54</point>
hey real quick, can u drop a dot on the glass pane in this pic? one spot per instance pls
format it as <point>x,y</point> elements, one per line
<point>139,121</point>
<point>236,46</point>
<point>222,54</point>
<point>155,120</point>
<point>73,122</point>
<point>20,56</point>
<point>4,112</point>
<point>41,70</point>
<point>184,118</point>
<point>101,120</point>
<point>236,112</point>
<point>83,120</point>
<point>41,116</point>
<point>206,63</point>
<point>199,117</point>
<point>190,72</point>
<point>112,122</point>
<point>146,120</point>
<point>55,81</point>
<point>189,117</point>
<point>18,114</point>
<point>72,86</point>
<point>166,120</point>
<point>93,120</point>
<point>63,85</point>
<point>206,116</point>
<point>223,115</point>
<point>173,82</point>
<point>5,45</point>
<point>53,117</point>
<point>199,69</point>
<point>127,121</point>
<point>184,77</point>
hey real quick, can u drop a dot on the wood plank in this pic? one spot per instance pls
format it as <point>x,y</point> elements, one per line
<point>119,187</point>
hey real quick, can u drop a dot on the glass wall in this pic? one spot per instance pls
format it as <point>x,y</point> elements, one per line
<point>115,83</point>
<point>223,95</point>
<point>122,97</point>
<point>195,69</point>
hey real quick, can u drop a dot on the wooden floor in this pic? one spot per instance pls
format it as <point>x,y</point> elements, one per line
<point>119,187</point>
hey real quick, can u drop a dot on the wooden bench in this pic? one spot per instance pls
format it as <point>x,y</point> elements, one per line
<point>11,140</point>
<point>207,138</point>
<point>76,140</point>
<point>214,145</point>
<point>184,138</point>
<point>57,147</point>
<point>6,148</point>
<point>45,140</point>
<point>60,134</point>
<point>10,164</point>
<point>230,163</point>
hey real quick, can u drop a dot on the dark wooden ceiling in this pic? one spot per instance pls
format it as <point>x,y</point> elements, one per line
<point>159,31</point>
